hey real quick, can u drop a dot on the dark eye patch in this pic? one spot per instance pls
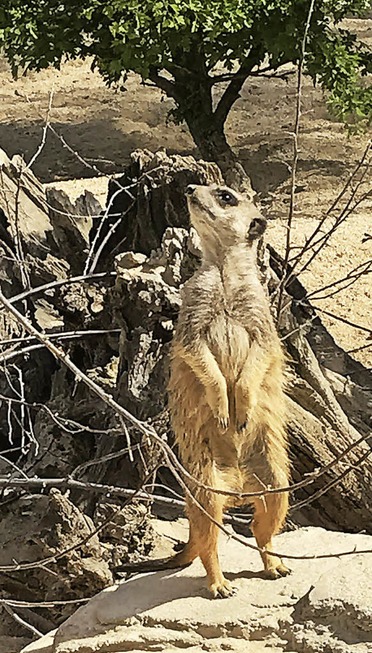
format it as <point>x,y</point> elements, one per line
<point>225,197</point>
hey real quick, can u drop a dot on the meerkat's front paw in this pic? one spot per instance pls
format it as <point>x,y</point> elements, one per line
<point>218,402</point>
<point>242,423</point>
<point>243,406</point>
<point>223,423</point>
<point>242,418</point>
<point>222,416</point>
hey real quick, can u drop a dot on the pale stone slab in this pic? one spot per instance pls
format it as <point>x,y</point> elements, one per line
<point>323,606</point>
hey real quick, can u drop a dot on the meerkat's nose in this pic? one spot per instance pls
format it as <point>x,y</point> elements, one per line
<point>190,189</point>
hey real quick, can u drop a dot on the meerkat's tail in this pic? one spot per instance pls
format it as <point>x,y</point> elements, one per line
<point>152,565</point>
<point>179,561</point>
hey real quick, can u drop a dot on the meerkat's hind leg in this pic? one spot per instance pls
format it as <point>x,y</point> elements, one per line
<point>187,555</point>
<point>269,515</point>
<point>205,534</point>
<point>268,468</point>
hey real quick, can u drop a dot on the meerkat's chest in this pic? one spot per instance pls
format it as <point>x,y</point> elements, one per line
<point>229,315</point>
<point>229,342</point>
<point>238,316</point>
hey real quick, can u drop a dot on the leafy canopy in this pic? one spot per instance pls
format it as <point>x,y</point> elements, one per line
<point>189,39</point>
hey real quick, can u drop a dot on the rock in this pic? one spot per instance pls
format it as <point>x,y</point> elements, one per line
<point>323,607</point>
<point>340,604</point>
<point>40,526</point>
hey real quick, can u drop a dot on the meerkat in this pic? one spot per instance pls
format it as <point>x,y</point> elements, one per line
<point>226,388</point>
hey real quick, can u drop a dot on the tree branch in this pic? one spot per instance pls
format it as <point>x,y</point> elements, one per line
<point>267,72</point>
<point>163,83</point>
<point>232,92</point>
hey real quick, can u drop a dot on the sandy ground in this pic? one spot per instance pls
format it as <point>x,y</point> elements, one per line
<point>102,126</point>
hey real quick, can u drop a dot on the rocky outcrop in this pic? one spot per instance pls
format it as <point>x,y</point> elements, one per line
<point>323,607</point>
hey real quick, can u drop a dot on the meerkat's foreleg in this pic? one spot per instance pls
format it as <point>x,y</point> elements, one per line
<point>204,365</point>
<point>248,385</point>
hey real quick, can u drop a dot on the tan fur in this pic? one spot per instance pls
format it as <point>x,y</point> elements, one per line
<point>226,386</point>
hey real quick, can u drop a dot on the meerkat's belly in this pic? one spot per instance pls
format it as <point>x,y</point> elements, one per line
<point>229,342</point>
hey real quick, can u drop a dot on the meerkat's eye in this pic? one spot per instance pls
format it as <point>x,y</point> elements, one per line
<point>226,197</point>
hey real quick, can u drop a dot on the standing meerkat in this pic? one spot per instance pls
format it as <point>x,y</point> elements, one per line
<point>226,393</point>
<point>226,389</point>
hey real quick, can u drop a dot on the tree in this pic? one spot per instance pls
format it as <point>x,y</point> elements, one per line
<point>192,48</point>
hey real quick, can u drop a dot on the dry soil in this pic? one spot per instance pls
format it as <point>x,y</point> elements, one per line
<point>102,126</point>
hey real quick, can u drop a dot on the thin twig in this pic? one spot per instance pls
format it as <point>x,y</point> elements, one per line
<point>44,133</point>
<point>61,335</point>
<point>63,422</point>
<point>7,606</point>
<point>59,282</point>
<point>336,201</point>
<point>42,604</point>
<point>296,132</point>
<point>344,320</point>
<point>328,486</point>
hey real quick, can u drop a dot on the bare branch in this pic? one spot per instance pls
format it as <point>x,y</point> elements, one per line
<point>328,486</point>
<point>350,278</point>
<point>344,320</point>
<point>296,132</point>
<point>9,609</point>
<point>309,241</point>
<point>44,134</point>
<point>62,335</point>
<point>60,282</point>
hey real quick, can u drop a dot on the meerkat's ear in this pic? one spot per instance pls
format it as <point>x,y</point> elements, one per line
<point>256,228</point>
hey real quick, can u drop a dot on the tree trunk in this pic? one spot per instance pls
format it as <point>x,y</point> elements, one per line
<point>193,95</point>
<point>213,146</point>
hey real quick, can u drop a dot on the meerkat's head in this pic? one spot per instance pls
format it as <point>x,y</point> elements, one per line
<point>222,215</point>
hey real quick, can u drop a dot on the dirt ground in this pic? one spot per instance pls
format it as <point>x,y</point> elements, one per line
<point>102,127</point>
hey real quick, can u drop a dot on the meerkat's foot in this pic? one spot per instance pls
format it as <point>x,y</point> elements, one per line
<point>222,589</point>
<point>276,569</point>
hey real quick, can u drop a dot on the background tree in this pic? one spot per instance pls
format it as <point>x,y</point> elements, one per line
<point>199,52</point>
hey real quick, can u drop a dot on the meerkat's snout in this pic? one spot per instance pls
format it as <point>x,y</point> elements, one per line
<point>257,227</point>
